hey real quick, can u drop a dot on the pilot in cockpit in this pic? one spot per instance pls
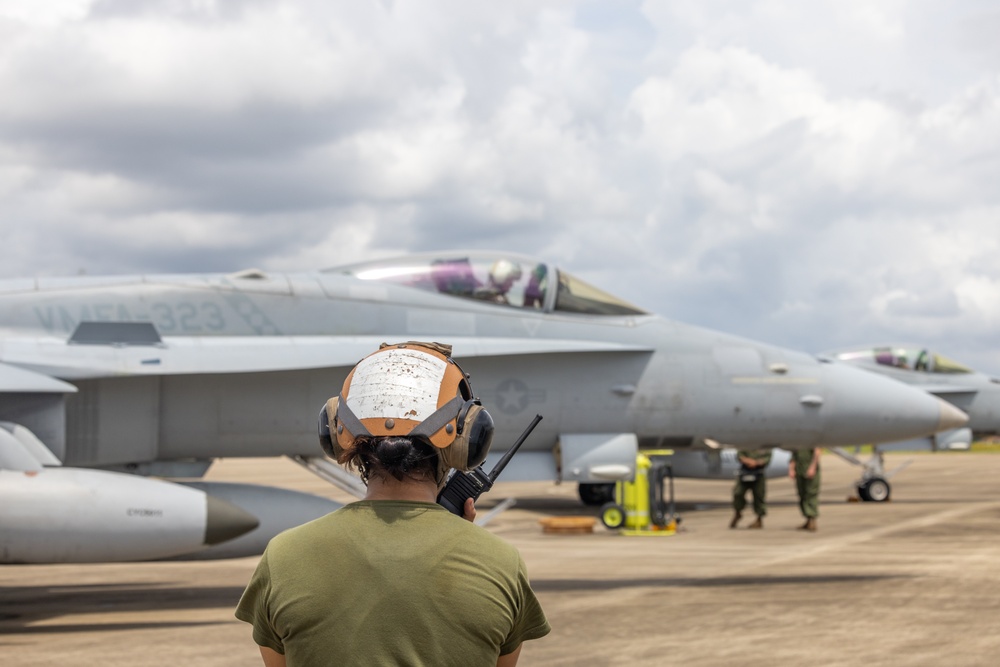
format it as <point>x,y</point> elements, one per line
<point>503,274</point>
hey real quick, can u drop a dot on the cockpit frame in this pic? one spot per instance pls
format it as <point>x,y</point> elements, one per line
<point>503,279</point>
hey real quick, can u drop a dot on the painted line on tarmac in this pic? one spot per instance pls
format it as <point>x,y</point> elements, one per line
<point>843,541</point>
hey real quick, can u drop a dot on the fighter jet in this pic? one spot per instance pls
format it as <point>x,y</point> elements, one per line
<point>975,393</point>
<point>108,382</point>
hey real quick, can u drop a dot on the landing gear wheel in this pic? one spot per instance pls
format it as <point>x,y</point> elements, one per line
<point>875,490</point>
<point>613,515</point>
<point>596,494</point>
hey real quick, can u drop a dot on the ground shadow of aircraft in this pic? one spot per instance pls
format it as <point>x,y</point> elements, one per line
<point>109,382</point>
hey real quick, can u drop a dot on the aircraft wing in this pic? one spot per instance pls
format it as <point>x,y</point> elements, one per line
<point>47,358</point>
<point>19,380</point>
<point>21,450</point>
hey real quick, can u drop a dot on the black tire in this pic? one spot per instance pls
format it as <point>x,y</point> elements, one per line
<point>613,515</point>
<point>596,494</point>
<point>863,492</point>
<point>877,490</point>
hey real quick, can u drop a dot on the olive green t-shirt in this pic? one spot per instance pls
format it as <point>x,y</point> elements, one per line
<point>391,583</point>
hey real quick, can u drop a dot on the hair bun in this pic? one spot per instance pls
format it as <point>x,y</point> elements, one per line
<point>392,452</point>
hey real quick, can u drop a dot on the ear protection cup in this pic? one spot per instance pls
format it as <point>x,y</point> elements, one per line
<point>475,435</point>
<point>328,416</point>
<point>411,390</point>
<point>479,428</point>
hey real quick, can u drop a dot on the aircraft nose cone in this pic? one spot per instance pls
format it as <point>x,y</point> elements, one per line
<point>951,417</point>
<point>869,409</point>
<point>224,521</point>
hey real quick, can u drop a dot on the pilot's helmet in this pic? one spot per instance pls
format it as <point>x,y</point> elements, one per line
<point>504,272</point>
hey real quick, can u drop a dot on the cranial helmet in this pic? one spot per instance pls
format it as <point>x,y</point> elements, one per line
<point>413,390</point>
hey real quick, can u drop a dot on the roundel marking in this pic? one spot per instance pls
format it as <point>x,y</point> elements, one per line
<point>512,396</point>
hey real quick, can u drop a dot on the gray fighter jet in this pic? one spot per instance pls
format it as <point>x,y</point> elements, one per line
<point>108,382</point>
<point>976,394</point>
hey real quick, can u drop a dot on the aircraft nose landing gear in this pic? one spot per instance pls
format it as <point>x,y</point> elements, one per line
<point>875,489</point>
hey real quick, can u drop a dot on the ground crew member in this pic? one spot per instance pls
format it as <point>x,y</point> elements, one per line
<point>751,477</point>
<point>396,579</point>
<point>804,469</point>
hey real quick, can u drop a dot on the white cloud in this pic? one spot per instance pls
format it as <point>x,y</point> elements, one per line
<point>715,100</point>
<point>812,174</point>
<point>48,13</point>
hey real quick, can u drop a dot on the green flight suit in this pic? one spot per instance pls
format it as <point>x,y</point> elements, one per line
<point>754,480</point>
<point>808,488</point>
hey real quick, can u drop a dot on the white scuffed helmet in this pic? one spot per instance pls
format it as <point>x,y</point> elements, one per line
<point>414,390</point>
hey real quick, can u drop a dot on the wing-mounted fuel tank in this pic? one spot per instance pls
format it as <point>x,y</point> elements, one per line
<point>588,458</point>
<point>700,463</point>
<point>722,463</point>
<point>957,439</point>
<point>596,457</point>
<point>55,514</point>
<point>72,515</point>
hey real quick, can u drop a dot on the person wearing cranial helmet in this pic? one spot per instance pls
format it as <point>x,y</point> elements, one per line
<point>414,390</point>
<point>396,578</point>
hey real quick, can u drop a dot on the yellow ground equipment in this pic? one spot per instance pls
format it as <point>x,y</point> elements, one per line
<point>640,506</point>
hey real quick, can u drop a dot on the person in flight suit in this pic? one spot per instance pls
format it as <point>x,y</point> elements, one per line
<point>804,469</point>
<point>751,477</point>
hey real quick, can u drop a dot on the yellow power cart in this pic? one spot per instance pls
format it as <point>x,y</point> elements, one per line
<point>641,507</point>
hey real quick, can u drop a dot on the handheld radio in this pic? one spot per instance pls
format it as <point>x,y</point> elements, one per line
<point>472,484</point>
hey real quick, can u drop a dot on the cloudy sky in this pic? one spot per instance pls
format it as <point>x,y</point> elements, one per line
<point>811,174</point>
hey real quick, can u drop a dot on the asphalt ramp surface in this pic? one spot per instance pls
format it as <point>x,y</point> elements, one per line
<point>909,582</point>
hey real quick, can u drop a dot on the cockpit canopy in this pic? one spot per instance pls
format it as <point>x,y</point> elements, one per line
<point>909,358</point>
<point>502,279</point>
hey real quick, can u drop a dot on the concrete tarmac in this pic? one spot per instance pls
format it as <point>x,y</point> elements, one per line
<point>910,582</point>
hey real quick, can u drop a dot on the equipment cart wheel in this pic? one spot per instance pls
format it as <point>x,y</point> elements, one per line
<point>613,515</point>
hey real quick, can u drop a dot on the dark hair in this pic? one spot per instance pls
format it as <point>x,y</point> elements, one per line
<point>393,456</point>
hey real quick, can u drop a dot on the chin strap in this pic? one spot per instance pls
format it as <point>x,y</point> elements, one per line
<point>350,421</point>
<point>437,420</point>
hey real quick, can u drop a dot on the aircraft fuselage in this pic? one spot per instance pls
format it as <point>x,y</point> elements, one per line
<point>244,363</point>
